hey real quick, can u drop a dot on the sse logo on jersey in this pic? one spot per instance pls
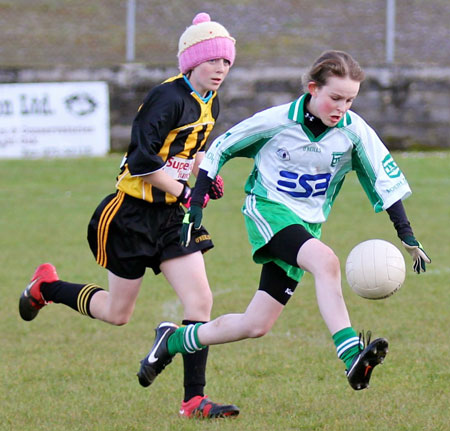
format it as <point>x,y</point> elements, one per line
<point>304,186</point>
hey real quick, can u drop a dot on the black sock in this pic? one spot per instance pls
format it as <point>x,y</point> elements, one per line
<point>76,296</point>
<point>194,370</point>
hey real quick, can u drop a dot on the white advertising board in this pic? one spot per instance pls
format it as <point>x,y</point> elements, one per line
<point>67,119</point>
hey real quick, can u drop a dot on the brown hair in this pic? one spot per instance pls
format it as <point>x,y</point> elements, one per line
<point>333,63</point>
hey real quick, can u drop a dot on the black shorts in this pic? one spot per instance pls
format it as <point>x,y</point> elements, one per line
<point>127,235</point>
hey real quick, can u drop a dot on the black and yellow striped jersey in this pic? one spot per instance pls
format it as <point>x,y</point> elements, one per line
<point>170,128</point>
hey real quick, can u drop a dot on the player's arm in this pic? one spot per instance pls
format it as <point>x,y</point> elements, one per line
<point>166,183</point>
<point>397,214</point>
<point>242,140</point>
<point>193,218</point>
<point>198,159</point>
<point>202,187</point>
<point>157,116</point>
<point>216,186</point>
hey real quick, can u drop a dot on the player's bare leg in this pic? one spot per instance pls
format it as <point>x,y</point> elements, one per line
<point>258,319</point>
<point>318,259</point>
<point>187,275</point>
<point>360,358</point>
<point>116,305</point>
<point>263,311</point>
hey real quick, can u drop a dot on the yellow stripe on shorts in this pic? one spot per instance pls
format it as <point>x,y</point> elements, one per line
<point>103,226</point>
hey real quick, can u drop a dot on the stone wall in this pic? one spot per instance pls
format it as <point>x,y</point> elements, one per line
<point>409,108</point>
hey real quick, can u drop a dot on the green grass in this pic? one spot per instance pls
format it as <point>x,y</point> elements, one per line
<point>64,371</point>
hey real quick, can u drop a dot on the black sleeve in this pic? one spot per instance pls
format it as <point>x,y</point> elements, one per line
<point>158,115</point>
<point>202,186</point>
<point>397,215</point>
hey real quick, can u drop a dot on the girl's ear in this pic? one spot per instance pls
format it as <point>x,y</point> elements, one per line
<point>312,88</point>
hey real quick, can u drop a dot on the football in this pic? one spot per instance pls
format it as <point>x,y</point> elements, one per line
<point>375,269</point>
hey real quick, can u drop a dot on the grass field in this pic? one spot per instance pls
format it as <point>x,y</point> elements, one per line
<point>67,372</point>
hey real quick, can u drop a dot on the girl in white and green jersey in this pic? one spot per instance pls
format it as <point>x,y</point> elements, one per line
<point>302,152</point>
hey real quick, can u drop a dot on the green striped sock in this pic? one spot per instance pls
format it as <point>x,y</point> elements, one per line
<point>347,345</point>
<point>185,340</point>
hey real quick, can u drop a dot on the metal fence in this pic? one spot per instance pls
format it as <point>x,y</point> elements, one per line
<point>390,31</point>
<point>48,33</point>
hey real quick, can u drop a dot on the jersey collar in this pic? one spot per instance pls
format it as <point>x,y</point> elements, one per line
<point>297,109</point>
<point>203,99</point>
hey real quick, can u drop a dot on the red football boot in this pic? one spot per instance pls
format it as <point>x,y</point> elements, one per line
<point>203,407</point>
<point>31,300</point>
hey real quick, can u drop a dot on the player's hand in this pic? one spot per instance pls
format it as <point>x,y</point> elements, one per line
<point>206,199</point>
<point>415,249</point>
<point>192,219</point>
<point>186,197</point>
<point>216,189</point>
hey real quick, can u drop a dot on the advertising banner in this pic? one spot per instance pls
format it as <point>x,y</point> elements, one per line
<point>69,119</point>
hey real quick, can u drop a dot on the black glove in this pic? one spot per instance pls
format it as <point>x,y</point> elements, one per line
<point>216,189</point>
<point>193,218</point>
<point>415,249</point>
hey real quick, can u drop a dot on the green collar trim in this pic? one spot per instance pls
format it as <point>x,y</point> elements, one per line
<point>296,113</point>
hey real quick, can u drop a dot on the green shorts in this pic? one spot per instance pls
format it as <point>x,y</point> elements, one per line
<point>263,219</point>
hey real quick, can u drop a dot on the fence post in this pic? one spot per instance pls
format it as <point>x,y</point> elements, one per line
<point>131,30</point>
<point>390,31</point>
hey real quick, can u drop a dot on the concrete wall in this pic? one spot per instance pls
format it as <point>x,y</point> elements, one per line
<point>409,108</point>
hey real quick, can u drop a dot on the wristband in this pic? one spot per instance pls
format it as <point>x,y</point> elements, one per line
<point>185,194</point>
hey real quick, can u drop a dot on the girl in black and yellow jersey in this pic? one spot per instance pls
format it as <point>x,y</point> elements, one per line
<point>138,227</point>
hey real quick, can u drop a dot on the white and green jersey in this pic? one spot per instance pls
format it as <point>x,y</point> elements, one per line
<point>303,172</point>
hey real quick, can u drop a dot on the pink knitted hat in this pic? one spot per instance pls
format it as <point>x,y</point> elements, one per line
<point>204,40</point>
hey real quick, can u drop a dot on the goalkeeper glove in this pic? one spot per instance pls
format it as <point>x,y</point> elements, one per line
<point>216,189</point>
<point>415,249</point>
<point>193,218</point>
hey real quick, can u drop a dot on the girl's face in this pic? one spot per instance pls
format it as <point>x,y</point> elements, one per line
<point>331,101</point>
<point>209,75</point>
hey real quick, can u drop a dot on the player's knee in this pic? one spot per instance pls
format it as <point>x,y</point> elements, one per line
<point>257,330</point>
<point>330,263</point>
<point>206,302</point>
<point>200,305</point>
<point>119,322</point>
<point>119,319</point>
<point>318,259</point>
<point>203,301</point>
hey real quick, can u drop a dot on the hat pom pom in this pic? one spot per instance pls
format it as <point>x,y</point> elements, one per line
<point>201,17</point>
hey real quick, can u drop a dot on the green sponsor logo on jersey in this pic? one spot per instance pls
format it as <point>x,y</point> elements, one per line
<point>390,167</point>
<point>336,157</point>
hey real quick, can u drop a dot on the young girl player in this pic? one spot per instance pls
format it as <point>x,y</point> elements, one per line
<point>138,226</point>
<point>302,152</point>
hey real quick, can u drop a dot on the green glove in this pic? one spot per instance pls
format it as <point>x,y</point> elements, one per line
<point>193,218</point>
<point>415,249</point>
